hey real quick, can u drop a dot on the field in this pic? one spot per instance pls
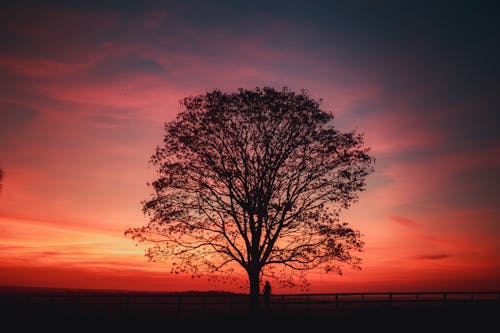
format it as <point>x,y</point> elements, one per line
<point>71,310</point>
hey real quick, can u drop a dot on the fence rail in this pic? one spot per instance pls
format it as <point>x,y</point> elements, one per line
<point>185,303</point>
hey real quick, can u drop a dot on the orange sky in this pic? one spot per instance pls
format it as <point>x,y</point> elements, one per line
<point>86,90</point>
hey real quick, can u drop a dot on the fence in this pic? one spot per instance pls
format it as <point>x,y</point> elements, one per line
<point>161,304</point>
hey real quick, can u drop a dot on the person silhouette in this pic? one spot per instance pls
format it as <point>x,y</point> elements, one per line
<point>267,293</point>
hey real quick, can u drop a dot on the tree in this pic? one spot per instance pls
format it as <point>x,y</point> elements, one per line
<point>254,179</point>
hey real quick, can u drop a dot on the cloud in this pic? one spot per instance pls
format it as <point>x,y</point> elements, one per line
<point>440,256</point>
<point>404,221</point>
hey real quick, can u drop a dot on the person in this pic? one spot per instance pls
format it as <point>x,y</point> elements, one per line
<point>267,293</point>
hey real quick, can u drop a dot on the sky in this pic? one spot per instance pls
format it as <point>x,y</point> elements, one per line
<point>86,86</point>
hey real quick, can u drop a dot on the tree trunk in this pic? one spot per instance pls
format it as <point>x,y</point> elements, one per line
<point>254,279</point>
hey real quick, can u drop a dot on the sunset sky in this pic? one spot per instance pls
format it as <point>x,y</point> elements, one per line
<point>86,87</point>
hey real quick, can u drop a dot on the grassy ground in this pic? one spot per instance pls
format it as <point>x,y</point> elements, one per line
<point>20,311</point>
<point>476,318</point>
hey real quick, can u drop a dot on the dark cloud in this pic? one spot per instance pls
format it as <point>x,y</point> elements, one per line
<point>12,118</point>
<point>478,188</point>
<point>439,256</point>
<point>128,63</point>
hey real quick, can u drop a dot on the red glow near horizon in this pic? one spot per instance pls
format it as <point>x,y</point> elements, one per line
<point>82,113</point>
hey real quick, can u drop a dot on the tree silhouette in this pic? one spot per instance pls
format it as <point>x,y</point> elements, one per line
<point>254,178</point>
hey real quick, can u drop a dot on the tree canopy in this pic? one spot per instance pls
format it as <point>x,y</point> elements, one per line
<point>254,179</point>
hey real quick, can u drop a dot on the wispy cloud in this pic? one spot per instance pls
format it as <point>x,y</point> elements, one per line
<point>439,256</point>
<point>404,221</point>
